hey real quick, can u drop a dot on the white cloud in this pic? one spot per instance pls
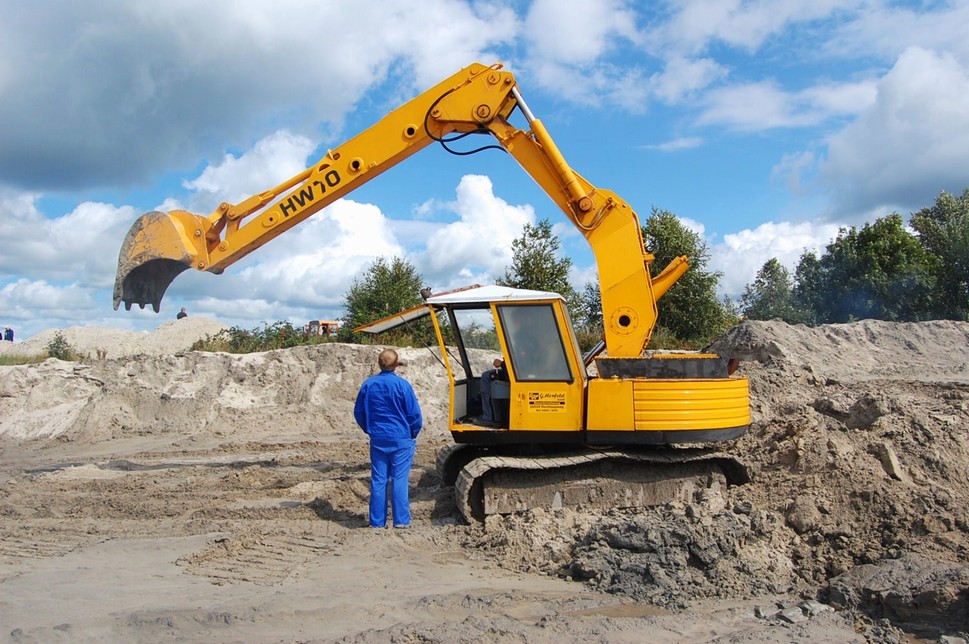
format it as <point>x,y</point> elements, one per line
<point>85,242</point>
<point>593,85</point>
<point>41,302</point>
<point>682,77</point>
<point>79,246</point>
<point>695,25</point>
<point>682,143</point>
<point>765,105</point>
<point>29,306</point>
<point>753,106</point>
<point>835,99</point>
<point>56,273</point>
<point>888,29</point>
<point>569,52</point>
<point>580,34</point>
<point>908,146</point>
<point>133,90</point>
<point>20,236</point>
<point>441,37</point>
<point>740,255</point>
<point>272,160</point>
<point>478,246</point>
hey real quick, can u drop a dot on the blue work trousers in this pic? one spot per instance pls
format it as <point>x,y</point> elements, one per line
<point>390,461</point>
<point>486,409</point>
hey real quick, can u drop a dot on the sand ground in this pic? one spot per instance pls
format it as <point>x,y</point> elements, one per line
<point>166,495</point>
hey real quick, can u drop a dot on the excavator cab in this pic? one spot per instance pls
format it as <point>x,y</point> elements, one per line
<point>543,398</point>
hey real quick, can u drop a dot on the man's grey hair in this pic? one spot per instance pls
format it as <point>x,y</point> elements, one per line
<point>387,360</point>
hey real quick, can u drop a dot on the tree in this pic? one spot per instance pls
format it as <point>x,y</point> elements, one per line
<point>771,295</point>
<point>386,288</point>
<point>535,263</point>
<point>809,288</point>
<point>690,310</point>
<point>589,310</point>
<point>943,230</point>
<point>880,272</point>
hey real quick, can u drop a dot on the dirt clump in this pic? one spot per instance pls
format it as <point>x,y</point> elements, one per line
<point>925,597</point>
<point>858,446</point>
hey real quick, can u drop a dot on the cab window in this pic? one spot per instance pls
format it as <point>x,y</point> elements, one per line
<point>534,343</point>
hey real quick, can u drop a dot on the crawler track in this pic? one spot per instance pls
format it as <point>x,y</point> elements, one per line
<point>488,483</point>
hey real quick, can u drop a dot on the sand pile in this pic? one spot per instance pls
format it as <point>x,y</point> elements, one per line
<point>859,448</point>
<point>169,338</point>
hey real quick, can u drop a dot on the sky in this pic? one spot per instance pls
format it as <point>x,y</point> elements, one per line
<point>766,126</point>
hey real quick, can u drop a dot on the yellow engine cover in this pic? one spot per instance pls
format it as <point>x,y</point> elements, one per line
<point>641,404</point>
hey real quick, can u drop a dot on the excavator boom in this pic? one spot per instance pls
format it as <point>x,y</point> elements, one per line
<point>479,99</point>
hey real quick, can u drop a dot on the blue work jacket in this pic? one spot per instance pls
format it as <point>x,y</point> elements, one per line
<point>387,408</point>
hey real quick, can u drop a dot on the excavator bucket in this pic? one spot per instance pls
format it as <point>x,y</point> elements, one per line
<point>157,248</point>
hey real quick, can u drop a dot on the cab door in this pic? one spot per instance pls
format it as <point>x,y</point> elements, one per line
<point>547,380</point>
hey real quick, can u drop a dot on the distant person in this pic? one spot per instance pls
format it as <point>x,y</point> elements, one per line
<point>8,334</point>
<point>388,412</point>
<point>182,314</point>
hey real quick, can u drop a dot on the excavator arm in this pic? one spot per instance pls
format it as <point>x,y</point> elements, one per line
<point>478,99</point>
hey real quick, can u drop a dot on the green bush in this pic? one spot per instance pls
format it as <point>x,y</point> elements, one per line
<point>278,335</point>
<point>61,349</point>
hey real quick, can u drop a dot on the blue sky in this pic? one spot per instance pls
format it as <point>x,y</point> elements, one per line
<point>765,126</point>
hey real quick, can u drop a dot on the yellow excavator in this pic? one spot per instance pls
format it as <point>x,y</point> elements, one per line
<point>621,426</point>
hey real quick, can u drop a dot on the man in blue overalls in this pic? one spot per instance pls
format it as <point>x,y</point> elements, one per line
<point>388,412</point>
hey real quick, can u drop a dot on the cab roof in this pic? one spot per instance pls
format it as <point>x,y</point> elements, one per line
<point>491,293</point>
<point>470,295</point>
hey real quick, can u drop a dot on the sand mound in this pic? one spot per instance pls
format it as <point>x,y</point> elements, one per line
<point>295,394</point>
<point>870,349</point>
<point>169,338</point>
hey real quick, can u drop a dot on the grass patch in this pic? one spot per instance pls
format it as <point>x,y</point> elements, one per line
<point>279,335</point>
<point>14,360</point>
<point>58,347</point>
